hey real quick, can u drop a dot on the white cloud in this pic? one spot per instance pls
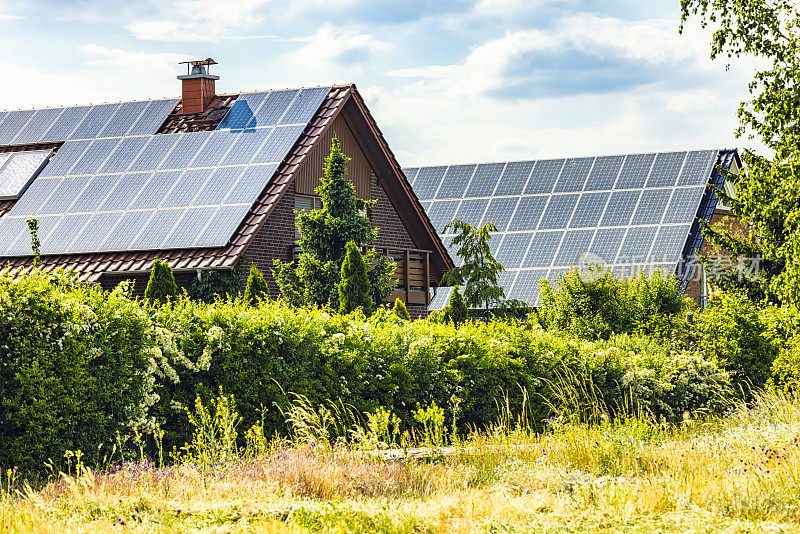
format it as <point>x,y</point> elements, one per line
<point>198,20</point>
<point>337,50</point>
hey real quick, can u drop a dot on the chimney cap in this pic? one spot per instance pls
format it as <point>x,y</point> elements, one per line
<point>197,68</point>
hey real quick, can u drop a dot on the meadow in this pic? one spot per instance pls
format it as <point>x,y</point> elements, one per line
<point>734,472</point>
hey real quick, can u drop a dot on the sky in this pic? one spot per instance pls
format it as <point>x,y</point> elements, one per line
<point>448,81</point>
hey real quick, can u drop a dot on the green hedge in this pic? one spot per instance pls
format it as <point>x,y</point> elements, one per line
<point>79,364</point>
<point>75,367</point>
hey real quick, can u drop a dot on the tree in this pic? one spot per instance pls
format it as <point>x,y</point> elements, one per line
<point>768,192</point>
<point>456,310</point>
<point>33,228</point>
<point>354,289</point>
<point>161,286</point>
<point>400,311</point>
<point>478,273</point>
<point>314,278</point>
<point>256,287</point>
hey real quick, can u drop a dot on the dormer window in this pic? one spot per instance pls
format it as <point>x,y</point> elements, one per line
<point>18,169</point>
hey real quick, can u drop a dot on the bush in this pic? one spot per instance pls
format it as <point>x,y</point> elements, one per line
<point>456,310</point>
<point>732,331</point>
<point>354,288</point>
<point>594,304</point>
<point>400,311</point>
<point>161,286</point>
<point>256,288</point>
<point>77,366</point>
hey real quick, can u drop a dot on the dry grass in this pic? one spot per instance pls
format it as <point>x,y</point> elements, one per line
<point>740,473</point>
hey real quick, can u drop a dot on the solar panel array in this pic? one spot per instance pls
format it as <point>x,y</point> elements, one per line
<point>115,185</point>
<point>629,212</point>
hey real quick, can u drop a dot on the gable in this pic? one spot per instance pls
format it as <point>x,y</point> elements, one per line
<point>358,170</point>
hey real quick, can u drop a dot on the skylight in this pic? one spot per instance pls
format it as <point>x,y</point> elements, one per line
<point>18,169</point>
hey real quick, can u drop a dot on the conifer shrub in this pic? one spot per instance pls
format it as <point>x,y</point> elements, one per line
<point>161,287</point>
<point>456,310</point>
<point>354,288</point>
<point>256,288</point>
<point>400,311</point>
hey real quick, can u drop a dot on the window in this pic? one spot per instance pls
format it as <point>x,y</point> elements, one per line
<point>17,171</point>
<point>305,204</point>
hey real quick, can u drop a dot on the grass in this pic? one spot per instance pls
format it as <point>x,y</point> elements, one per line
<point>734,473</point>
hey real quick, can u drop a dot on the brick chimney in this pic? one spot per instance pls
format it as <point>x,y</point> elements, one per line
<point>198,85</point>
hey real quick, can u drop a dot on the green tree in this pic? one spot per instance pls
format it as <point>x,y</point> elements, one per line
<point>456,310</point>
<point>256,288</point>
<point>479,270</point>
<point>354,289</point>
<point>314,278</point>
<point>400,311</point>
<point>161,286</point>
<point>768,192</point>
<point>33,228</point>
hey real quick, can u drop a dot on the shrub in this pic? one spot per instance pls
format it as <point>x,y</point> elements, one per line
<point>732,331</point>
<point>400,311</point>
<point>161,286</point>
<point>354,288</point>
<point>456,310</point>
<point>214,284</point>
<point>76,366</point>
<point>594,304</point>
<point>256,288</point>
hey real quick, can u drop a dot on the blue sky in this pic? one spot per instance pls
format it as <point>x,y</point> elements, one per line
<point>449,81</point>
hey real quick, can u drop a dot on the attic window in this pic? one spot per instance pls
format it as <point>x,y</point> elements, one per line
<point>18,169</point>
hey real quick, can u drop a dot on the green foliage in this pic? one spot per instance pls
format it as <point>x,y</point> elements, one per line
<point>256,288</point>
<point>76,366</point>
<point>400,311</point>
<point>732,330</point>
<point>315,277</point>
<point>432,420</point>
<point>456,311</point>
<point>215,432</point>
<point>33,228</point>
<point>479,270</point>
<point>214,284</point>
<point>354,289</point>
<point>768,192</point>
<point>594,304</point>
<point>161,287</point>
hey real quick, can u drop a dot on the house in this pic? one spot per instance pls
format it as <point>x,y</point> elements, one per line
<point>629,212</point>
<point>204,182</point>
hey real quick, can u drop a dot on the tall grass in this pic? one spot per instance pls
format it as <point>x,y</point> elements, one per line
<point>739,471</point>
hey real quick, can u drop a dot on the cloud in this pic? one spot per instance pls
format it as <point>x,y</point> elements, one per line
<point>336,49</point>
<point>198,20</point>
<point>579,54</point>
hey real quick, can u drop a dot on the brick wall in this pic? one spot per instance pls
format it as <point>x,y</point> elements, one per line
<point>274,240</point>
<point>695,287</point>
<point>391,231</point>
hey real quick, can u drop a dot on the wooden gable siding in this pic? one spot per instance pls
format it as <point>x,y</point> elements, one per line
<point>358,170</point>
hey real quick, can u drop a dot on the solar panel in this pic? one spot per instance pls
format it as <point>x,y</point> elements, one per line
<point>575,244</point>
<point>514,177</point>
<point>14,122</point>
<point>124,117</point>
<point>428,181</point>
<point>220,228</point>
<point>155,190</point>
<point>94,121</point>
<point>187,186</point>
<point>246,145</point>
<point>471,210</point>
<point>651,206</point>
<point>558,212</point>
<point>589,209</point>
<point>606,243</point>
<point>500,211</point>
<point>637,244</point>
<point>455,181</point>
<point>574,175</point>
<point>66,123</point>
<point>666,169</point>
<point>484,180</point>
<point>157,228</point>
<point>217,187</point>
<point>529,211</point>
<point>512,250</point>
<point>126,152</point>
<point>278,144</point>
<point>305,105</point>
<point>123,191</point>
<point>526,285</point>
<point>93,232</point>
<point>151,155</point>
<point>698,167</point>
<point>152,117</point>
<point>543,177</point>
<point>669,243</point>
<point>243,111</point>
<point>634,171</point>
<point>52,242</point>
<point>619,209</point>
<point>543,249</point>
<point>128,226</point>
<point>95,155</point>
<point>273,108</point>
<point>37,126</point>
<point>442,212</point>
<point>97,190</point>
<point>185,150</point>
<point>254,179</point>
<point>67,190</point>
<point>684,204</point>
<point>604,173</point>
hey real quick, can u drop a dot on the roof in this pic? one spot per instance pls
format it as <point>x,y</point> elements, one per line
<point>630,212</point>
<point>117,195</point>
